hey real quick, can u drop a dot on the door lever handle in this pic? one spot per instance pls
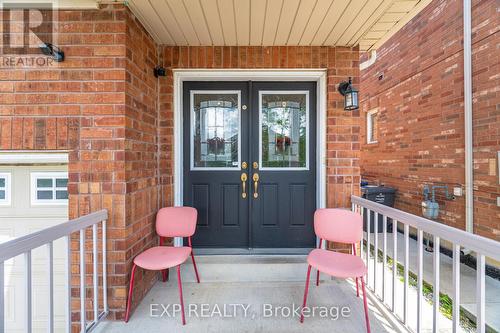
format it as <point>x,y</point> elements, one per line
<point>244,185</point>
<point>255,185</point>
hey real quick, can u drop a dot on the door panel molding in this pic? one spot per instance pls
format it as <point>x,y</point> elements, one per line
<point>318,75</point>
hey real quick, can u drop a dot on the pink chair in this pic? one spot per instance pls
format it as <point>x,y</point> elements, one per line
<point>342,226</point>
<point>170,222</point>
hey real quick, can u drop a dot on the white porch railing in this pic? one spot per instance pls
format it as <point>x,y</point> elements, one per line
<point>483,247</point>
<point>46,237</point>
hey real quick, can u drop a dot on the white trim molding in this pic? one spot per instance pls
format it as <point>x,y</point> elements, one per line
<point>317,75</point>
<point>33,157</point>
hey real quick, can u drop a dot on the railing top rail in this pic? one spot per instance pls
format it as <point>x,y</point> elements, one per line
<point>26,243</point>
<point>482,245</point>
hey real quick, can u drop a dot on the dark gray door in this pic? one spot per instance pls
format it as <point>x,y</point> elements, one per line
<point>250,163</point>
<point>283,127</point>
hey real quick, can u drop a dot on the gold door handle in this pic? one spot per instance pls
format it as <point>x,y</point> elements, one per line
<point>255,185</point>
<point>244,185</point>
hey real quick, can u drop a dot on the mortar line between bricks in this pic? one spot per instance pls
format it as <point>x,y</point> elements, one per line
<point>432,65</point>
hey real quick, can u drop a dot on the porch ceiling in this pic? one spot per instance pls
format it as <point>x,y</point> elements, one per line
<point>367,23</point>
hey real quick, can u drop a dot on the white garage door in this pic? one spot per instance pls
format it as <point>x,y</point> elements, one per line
<point>33,197</point>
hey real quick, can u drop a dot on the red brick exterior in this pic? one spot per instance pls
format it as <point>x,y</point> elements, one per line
<point>421,117</point>
<point>104,106</point>
<point>100,104</point>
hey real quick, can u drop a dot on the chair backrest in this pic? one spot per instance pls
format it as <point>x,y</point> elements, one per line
<point>176,221</point>
<point>338,225</point>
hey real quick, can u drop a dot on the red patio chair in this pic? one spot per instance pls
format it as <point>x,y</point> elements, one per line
<point>170,222</point>
<point>342,226</point>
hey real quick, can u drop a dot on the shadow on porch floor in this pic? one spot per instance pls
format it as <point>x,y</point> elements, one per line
<point>255,296</point>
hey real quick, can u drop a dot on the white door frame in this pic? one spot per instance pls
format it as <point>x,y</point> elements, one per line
<point>318,75</point>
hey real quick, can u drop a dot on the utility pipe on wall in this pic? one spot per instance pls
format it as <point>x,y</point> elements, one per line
<point>469,162</point>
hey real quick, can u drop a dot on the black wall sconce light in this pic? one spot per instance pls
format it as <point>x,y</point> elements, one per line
<point>351,101</point>
<point>52,51</point>
<point>159,71</point>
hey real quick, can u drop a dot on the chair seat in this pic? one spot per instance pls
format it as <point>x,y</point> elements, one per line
<point>162,257</point>
<point>337,264</point>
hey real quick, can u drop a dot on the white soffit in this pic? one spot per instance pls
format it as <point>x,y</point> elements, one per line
<point>367,23</point>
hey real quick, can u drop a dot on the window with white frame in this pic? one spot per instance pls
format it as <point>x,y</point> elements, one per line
<point>49,188</point>
<point>372,126</point>
<point>5,189</point>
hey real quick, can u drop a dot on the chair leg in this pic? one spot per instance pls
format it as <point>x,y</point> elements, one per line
<point>131,288</point>
<point>354,253</point>
<point>365,303</point>
<point>194,265</point>
<point>180,294</point>
<point>305,294</point>
<point>317,277</point>
<point>164,274</point>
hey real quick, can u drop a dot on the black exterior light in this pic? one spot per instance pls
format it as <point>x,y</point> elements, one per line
<point>351,101</point>
<point>52,51</point>
<point>159,71</point>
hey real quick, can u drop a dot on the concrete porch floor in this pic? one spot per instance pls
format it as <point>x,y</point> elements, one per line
<point>215,290</point>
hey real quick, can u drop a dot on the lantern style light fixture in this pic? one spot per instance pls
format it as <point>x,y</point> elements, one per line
<point>351,101</point>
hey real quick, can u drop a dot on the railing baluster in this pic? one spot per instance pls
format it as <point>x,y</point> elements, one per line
<point>361,253</point>
<point>375,252</point>
<point>394,262</point>
<point>407,263</point>
<point>104,269</point>
<point>28,286</point>
<point>82,281</point>
<point>384,255</point>
<point>2,301</point>
<point>368,221</point>
<point>435,309</point>
<point>95,276</point>
<point>420,272</point>
<point>456,288</point>
<point>480,294</point>
<point>50,279</point>
<point>68,283</point>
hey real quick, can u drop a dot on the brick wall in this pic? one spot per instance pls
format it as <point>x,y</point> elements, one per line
<point>421,118</point>
<point>141,154</point>
<point>103,105</point>
<point>100,105</point>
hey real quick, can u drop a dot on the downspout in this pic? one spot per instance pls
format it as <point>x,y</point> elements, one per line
<point>469,162</point>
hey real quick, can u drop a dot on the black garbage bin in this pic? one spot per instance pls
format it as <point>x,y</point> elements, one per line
<point>382,195</point>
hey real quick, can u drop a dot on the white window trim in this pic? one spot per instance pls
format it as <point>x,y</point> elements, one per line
<point>41,202</point>
<point>369,126</point>
<point>8,189</point>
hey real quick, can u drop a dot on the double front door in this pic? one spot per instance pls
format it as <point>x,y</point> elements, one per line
<point>249,152</point>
